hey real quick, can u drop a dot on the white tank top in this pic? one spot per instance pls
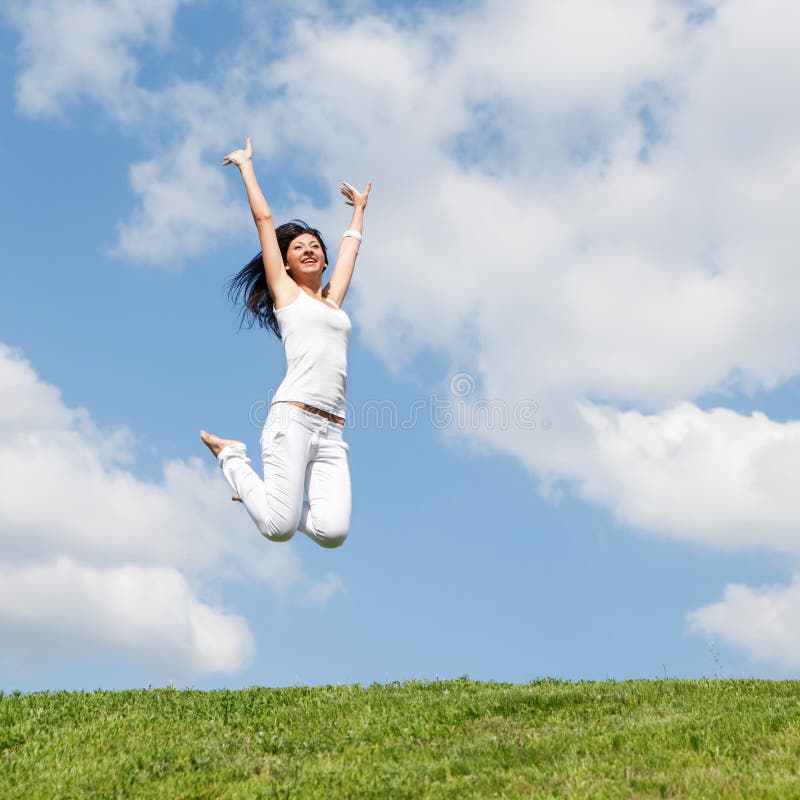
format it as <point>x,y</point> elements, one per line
<point>315,339</point>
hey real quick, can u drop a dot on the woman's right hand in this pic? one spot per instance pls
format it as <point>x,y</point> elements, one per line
<point>240,157</point>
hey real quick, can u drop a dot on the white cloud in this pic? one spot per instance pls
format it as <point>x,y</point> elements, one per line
<point>322,591</point>
<point>96,509</point>
<point>148,615</point>
<point>82,48</point>
<point>183,203</point>
<point>763,622</point>
<point>645,259</point>
<point>715,477</point>
<point>620,277</point>
<point>128,558</point>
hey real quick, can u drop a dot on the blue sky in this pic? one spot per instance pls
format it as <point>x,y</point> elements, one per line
<point>601,226</point>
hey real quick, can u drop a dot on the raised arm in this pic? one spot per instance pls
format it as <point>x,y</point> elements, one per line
<point>337,287</point>
<point>281,286</point>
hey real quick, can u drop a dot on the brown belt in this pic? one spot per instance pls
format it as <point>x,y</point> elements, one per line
<point>313,410</point>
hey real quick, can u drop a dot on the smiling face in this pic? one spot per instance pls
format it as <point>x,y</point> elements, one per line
<point>305,256</point>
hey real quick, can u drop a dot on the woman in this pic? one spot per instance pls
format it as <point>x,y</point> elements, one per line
<point>302,442</point>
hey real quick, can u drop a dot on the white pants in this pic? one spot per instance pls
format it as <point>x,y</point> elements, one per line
<point>300,451</point>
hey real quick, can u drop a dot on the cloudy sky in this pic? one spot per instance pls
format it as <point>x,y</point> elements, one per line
<point>573,381</point>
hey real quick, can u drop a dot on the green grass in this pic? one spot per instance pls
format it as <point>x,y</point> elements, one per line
<point>458,739</point>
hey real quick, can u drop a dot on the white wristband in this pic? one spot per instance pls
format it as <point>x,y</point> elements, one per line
<point>354,234</point>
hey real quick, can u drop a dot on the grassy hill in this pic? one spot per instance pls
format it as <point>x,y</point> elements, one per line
<point>457,739</point>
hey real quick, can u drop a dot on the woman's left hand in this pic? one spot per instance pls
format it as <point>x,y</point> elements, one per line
<point>354,197</point>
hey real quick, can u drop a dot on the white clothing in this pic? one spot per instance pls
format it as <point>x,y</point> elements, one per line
<point>300,451</point>
<point>315,339</point>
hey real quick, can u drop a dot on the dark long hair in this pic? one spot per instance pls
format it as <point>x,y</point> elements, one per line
<point>250,283</point>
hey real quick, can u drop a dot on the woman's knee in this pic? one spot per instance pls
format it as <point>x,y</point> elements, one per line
<point>277,530</point>
<point>283,536</point>
<point>333,535</point>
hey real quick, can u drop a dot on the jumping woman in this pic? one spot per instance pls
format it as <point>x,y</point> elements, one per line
<point>302,443</point>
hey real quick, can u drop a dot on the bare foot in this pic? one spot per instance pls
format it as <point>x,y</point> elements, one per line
<point>236,498</point>
<point>215,443</point>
